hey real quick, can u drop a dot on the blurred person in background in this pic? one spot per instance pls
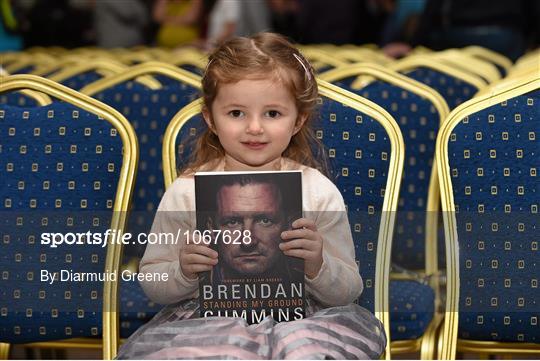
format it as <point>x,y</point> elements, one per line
<point>339,21</point>
<point>401,26</point>
<point>284,14</point>
<point>66,23</point>
<point>10,40</point>
<point>507,27</point>
<point>230,18</point>
<point>179,22</point>
<point>120,24</point>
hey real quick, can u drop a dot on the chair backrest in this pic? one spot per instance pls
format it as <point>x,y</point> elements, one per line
<point>365,150</point>
<point>23,66</point>
<point>149,111</point>
<point>78,81</point>
<point>418,110</point>
<point>24,98</point>
<point>454,85</point>
<point>469,64</point>
<point>66,168</point>
<point>502,63</point>
<point>76,76</point>
<point>488,153</point>
<point>191,61</point>
<point>321,60</point>
<point>27,62</point>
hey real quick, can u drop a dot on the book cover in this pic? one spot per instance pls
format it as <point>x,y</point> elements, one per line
<point>241,215</point>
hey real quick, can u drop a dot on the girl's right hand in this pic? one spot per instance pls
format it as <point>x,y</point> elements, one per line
<point>195,258</point>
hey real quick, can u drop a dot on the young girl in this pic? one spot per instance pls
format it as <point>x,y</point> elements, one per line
<point>259,93</point>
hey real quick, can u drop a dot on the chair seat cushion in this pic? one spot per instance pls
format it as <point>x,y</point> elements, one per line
<point>411,309</point>
<point>135,308</point>
<point>500,326</point>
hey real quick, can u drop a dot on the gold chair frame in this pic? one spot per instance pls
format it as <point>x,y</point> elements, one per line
<point>190,57</point>
<point>469,63</point>
<point>40,98</point>
<point>363,55</point>
<point>489,55</point>
<point>448,341</point>
<point>180,62</point>
<point>144,69</point>
<point>104,67</point>
<point>416,61</point>
<point>316,56</point>
<point>8,58</point>
<point>105,64</point>
<point>392,185</point>
<point>529,58</point>
<point>37,59</point>
<point>124,191</point>
<point>527,64</point>
<point>427,343</point>
<point>68,69</point>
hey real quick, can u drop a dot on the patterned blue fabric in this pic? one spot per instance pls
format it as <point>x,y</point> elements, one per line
<point>17,99</point>
<point>411,309</point>
<point>59,167</point>
<point>493,158</point>
<point>149,111</point>
<point>187,139</point>
<point>419,123</point>
<point>78,81</point>
<point>359,153</point>
<point>453,90</point>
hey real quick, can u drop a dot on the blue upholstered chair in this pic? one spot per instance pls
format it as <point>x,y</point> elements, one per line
<point>149,111</point>
<point>321,60</point>
<point>488,153</point>
<point>502,63</point>
<point>12,57</point>
<point>77,76</point>
<point>468,63</point>
<point>66,167</point>
<point>21,63</point>
<point>24,98</point>
<point>19,68</point>
<point>78,81</point>
<point>365,150</point>
<point>455,86</point>
<point>418,110</point>
<point>192,62</point>
<point>192,68</point>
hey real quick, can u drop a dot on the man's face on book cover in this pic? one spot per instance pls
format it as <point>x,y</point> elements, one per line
<point>254,207</point>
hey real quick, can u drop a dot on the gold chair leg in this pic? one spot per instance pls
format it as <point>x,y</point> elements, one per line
<point>4,351</point>
<point>428,348</point>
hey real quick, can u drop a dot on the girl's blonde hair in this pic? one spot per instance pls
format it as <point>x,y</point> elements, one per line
<point>261,56</point>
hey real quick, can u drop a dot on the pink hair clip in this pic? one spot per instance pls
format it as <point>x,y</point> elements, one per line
<point>308,74</point>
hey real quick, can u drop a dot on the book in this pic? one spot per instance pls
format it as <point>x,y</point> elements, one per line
<point>241,215</point>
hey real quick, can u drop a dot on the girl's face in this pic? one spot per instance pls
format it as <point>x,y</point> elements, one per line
<point>254,121</point>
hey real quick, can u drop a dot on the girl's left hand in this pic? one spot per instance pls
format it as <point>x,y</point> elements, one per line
<point>304,242</point>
